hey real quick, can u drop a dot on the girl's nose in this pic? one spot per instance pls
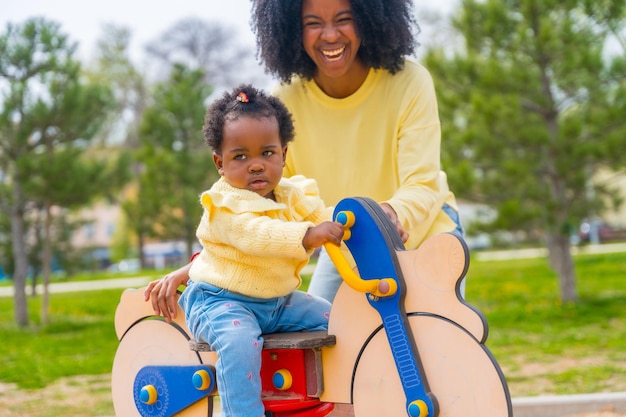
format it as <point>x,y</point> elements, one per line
<point>255,167</point>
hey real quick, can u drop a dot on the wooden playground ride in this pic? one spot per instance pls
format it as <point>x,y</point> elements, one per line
<point>401,342</point>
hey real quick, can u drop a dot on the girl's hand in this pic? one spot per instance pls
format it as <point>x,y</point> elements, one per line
<point>163,292</point>
<point>325,232</point>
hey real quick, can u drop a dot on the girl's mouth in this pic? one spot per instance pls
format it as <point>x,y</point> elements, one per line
<point>258,183</point>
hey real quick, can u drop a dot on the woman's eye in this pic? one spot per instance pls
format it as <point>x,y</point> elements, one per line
<point>344,21</point>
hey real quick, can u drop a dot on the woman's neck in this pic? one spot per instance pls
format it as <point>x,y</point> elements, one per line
<point>345,85</point>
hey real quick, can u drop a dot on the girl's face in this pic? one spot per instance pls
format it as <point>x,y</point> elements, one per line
<point>329,37</point>
<point>252,156</point>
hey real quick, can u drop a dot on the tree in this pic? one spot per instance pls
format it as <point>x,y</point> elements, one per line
<point>176,164</point>
<point>532,105</point>
<point>67,178</point>
<point>112,66</point>
<point>207,46</point>
<point>48,116</point>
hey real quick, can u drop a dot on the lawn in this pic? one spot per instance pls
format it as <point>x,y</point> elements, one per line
<point>543,345</point>
<point>80,340</point>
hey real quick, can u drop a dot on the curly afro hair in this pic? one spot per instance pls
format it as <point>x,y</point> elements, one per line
<point>245,101</point>
<point>387,28</point>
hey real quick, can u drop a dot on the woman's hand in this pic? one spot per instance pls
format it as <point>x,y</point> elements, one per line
<point>163,292</point>
<point>391,213</point>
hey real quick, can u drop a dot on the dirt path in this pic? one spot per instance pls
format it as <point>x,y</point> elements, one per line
<point>82,396</point>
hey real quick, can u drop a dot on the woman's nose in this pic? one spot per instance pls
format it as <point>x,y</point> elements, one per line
<point>330,33</point>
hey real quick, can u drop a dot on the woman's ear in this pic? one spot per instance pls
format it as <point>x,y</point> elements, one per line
<point>218,161</point>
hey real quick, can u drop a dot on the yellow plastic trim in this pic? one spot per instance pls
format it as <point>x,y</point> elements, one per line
<point>201,380</point>
<point>372,286</point>
<point>148,394</point>
<point>421,406</point>
<point>287,379</point>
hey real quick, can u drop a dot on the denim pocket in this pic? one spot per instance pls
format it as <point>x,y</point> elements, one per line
<point>197,294</point>
<point>209,289</point>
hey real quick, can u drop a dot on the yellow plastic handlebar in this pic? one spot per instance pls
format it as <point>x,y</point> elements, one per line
<point>385,287</point>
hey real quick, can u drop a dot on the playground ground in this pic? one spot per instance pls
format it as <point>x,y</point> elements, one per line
<point>90,396</point>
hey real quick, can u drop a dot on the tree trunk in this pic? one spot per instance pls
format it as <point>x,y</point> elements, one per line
<point>18,241</point>
<point>190,233</point>
<point>46,268</point>
<point>140,245</point>
<point>33,261</point>
<point>189,247</point>
<point>561,261</point>
<point>33,282</point>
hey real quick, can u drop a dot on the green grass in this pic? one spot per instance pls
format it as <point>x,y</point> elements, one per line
<point>543,345</point>
<point>577,347</point>
<point>90,276</point>
<point>80,339</point>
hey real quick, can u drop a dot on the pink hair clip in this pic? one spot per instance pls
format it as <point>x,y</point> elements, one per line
<point>243,97</point>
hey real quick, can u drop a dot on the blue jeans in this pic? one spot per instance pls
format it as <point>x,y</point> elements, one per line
<point>326,280</point>
<point>233,323</point>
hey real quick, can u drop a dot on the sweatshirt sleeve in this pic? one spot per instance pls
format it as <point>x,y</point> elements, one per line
<point>418,150</point>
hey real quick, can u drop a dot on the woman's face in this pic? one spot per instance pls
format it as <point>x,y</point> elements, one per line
<point>329,37</point>
<point>252,156</point>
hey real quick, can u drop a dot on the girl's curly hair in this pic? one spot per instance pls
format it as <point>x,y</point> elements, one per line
<point>387,28</point>
<point>245,101</point>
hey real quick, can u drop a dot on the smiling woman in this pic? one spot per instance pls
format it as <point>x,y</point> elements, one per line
<point>365,113</point>
<point>330,39</point>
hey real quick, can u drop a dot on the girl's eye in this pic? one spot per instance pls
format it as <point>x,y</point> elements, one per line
<point>240,157</point>
<point>268,153</point>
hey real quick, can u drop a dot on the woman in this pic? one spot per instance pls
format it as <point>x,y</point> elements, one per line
<point>365,117</point>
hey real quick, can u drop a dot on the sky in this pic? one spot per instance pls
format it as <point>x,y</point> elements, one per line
<point>83,20</point>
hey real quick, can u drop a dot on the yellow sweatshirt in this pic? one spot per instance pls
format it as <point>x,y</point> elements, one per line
<point>253,245</point>
<point>382,142</point>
